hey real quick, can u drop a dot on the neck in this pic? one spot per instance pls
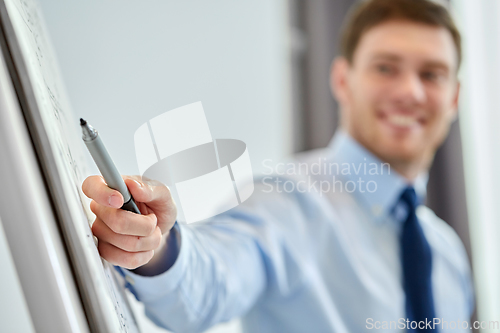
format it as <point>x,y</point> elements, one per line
<point>409,170</point>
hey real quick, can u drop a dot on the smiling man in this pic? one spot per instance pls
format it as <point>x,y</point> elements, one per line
<point>399,91</point>
<point>347,249</point>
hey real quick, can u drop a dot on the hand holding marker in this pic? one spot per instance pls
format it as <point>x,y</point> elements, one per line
<point>106,166</point>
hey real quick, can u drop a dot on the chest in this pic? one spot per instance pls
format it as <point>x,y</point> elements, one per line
<point>358,262</point>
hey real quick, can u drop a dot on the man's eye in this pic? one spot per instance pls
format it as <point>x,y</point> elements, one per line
<point>385,69</point>
<point>430,76</point>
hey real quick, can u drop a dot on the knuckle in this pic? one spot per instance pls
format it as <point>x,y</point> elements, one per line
<point>100,249</point>
<point>88,184</point>
<point>151,224</point>
<point>150,228</point>
<point>172,211</point>
<point>99,231</point>
<point>172,206</point>
<point>104,251</point>
<point>157,241</point>
<point>149,255</point>
<point>94,207</point>
<point>168,193</point>
<point>96,229</point>
<point>85,186</point>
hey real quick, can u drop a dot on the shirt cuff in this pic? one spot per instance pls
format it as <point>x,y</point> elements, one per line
<point>149,288</point>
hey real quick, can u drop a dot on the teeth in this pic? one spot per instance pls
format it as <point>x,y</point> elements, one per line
<point>401,120</point>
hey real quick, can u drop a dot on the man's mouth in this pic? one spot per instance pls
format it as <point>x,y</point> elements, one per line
<point>401,120</point>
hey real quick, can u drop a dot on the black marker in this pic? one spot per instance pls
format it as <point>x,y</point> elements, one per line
<point>106,165</point>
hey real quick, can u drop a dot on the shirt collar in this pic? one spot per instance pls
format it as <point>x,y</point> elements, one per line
<point>378,187</point>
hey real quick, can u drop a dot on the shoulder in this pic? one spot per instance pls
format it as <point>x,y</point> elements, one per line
<point>288,190</point>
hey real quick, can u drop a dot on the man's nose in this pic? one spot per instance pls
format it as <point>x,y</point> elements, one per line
<point>410,89</point>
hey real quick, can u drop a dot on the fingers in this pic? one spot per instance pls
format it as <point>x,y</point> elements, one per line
<point>127,239</point>
<point>129,260</point>
<point>147,192</point>
<point>124,222</point>
<point>153,197</point>
<point>95,188</point>
<point>126,242</point>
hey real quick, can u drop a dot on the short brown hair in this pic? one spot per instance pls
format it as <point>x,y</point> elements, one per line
<point>370,13</point>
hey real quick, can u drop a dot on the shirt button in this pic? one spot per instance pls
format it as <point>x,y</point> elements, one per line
<point>129,279</point>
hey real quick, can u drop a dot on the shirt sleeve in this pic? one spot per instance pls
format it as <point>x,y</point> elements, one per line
<point>251,253</point>
<point>218,275</point>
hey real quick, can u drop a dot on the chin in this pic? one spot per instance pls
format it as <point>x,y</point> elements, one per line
<point>394,150</point>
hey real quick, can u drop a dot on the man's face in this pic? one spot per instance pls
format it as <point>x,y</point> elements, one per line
<point>399,95</point>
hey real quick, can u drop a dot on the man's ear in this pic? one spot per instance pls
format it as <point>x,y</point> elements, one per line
<point>338,80</point>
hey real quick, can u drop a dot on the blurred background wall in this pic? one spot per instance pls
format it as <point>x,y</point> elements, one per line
<point>125,63</point>
<point>480,119</point>
<point>261,70</point>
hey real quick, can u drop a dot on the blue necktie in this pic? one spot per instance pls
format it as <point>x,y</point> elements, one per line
<point>417,267</point>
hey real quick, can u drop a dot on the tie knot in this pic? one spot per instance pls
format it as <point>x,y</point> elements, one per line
<point>410,197</point>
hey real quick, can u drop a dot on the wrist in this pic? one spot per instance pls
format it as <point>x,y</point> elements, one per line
<point>164,256</point>
<point>160,251</point>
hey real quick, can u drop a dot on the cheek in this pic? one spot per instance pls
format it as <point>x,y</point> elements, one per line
<point>442,115</point>
<point>442,105</point>
<point>446,117</point>
<point>364,99</point>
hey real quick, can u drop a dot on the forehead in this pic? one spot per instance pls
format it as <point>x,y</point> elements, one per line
<point>408,41</point>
